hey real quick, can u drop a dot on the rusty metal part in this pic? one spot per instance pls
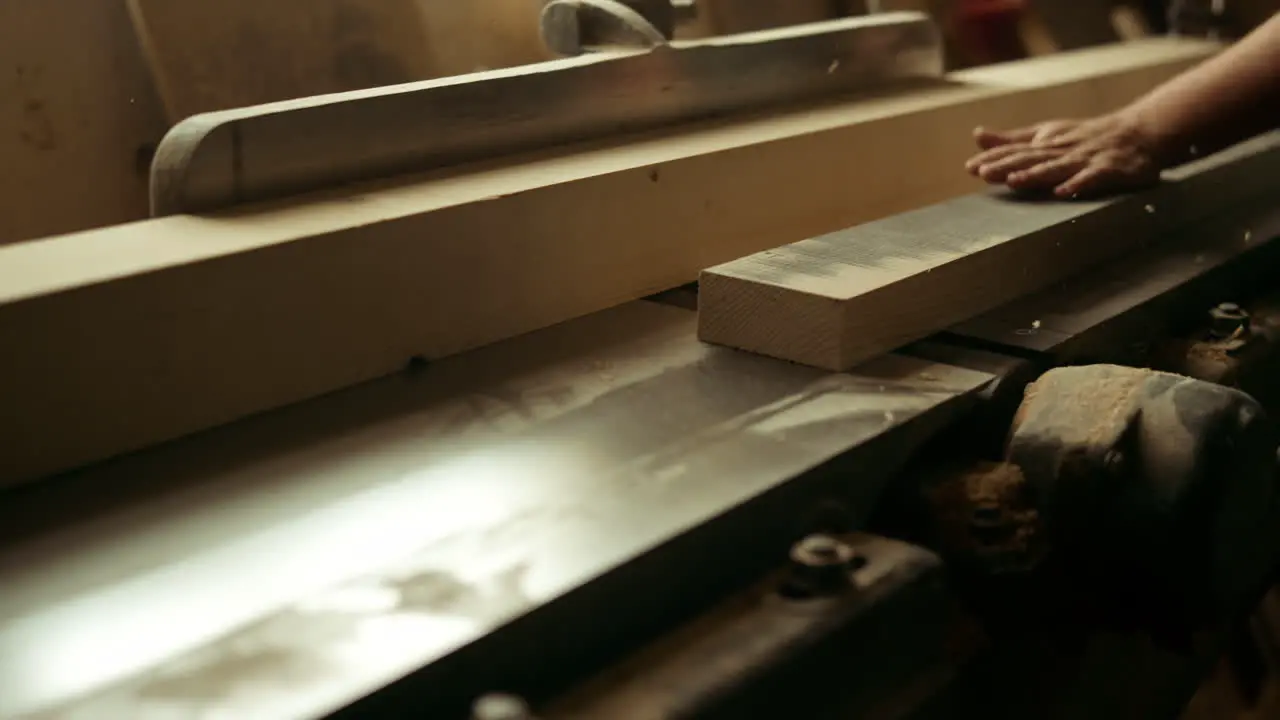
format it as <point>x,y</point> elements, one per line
<point>1219,353</point>
<point>874,653</point>
<point>1241,352</point>
<point>1228,320</point>
<point>1163,480</point>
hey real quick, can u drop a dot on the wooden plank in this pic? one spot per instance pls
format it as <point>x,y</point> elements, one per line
<point>836,300</point>
<point>144,332</point>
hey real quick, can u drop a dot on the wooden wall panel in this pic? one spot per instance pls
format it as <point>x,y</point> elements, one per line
<point>77,115</point>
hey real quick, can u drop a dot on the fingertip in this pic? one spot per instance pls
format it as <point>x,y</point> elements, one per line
<point>988,139</point>
<point>1078,185</point>
<point>1024,179</point>
<point>986,174</point>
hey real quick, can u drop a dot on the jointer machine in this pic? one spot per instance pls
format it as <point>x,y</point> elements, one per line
<point>380,416</point>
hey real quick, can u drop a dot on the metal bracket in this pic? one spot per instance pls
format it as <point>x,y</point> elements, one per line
<point>572,27</point>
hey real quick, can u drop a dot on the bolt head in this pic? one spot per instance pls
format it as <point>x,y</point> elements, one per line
<point>821,551</point>
<point>500,706</point>
<point>821,565</point>
<point>1226,319</point>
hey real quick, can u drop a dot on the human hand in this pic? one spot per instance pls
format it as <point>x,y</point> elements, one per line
<point>1074,158</point>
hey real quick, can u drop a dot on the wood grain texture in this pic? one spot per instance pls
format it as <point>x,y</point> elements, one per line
<point>465,37</point>
<point>78,118</point>
<point>836,300</point>
<point>144,332</point>
<point>80,114</point>
<point>231,53</point>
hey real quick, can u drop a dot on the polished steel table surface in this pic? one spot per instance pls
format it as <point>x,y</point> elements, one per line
<point>280,567</point>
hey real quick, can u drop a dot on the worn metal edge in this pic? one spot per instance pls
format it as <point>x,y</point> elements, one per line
<point>892,626</point>
<point>1141,294</point>
<point>357,672</point>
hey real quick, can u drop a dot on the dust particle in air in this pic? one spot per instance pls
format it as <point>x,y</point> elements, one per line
<point>833,66</point>
<point>1150,209</point>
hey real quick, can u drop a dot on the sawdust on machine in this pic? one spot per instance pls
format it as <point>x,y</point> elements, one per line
<point>1115,393</point>
<point>985,517</point>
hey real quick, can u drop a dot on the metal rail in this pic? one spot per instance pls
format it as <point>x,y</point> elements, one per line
<point>292,564</point>
<point>224,158</point>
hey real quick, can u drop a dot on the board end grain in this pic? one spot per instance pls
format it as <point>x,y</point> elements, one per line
<point>759,317</point>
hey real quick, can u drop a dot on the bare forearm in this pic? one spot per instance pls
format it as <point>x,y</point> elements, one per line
<point>1225,100</point>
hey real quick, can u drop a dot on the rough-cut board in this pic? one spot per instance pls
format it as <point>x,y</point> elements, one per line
<point>231,53</point>
<point>836,300</point>
<point>145,332</point>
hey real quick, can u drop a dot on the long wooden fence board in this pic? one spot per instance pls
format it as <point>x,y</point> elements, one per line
<point>841,298</point>
<point>217,160</point>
